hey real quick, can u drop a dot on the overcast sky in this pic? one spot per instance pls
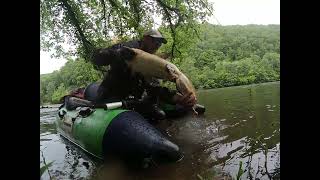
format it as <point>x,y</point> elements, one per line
<point>226,12</point>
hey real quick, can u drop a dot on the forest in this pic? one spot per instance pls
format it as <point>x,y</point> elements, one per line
<point>221,56</point>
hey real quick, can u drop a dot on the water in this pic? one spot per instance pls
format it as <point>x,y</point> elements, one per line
<point>240,124</point>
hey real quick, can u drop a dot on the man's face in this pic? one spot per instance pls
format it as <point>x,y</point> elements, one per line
<point>151,44</point>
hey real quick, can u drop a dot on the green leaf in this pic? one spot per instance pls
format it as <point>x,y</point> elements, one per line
<point>240,171</point>
<point>44,168</point>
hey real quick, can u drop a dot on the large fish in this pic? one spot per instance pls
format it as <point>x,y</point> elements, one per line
<point>150,65</point>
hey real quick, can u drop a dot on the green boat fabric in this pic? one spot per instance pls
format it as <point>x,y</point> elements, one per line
<point>87,132</point>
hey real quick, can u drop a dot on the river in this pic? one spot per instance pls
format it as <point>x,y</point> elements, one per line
<point>241,124</point>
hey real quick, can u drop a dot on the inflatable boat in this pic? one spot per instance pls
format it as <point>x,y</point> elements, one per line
<point>113,130</point>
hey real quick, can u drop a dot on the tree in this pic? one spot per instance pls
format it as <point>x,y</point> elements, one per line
<point>78,73</point>
<point>59,93</point>
<point>89,24</point>
<point>205,62</point>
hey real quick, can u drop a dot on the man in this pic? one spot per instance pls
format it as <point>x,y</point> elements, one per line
<point>118,83</point>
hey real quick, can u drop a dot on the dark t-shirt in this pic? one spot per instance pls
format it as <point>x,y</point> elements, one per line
<point>119,83</point>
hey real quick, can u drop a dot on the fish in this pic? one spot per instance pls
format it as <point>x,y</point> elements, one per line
<point>150,65</point>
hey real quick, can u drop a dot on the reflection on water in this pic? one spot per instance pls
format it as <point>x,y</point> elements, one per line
<point>240,124</point>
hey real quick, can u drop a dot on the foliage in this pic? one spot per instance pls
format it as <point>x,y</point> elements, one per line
<point>45,167</point>
<point>59,93</point>
<point>233,55</point>
<point>223,56</point>
<point>240,171</point>
<point>73,74</point>
<point>88,24</point>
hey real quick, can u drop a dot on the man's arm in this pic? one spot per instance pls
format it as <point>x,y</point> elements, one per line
<point>169,96</point>
<point>165,94</point>
<point>112,56</point>
<point>104,56</point>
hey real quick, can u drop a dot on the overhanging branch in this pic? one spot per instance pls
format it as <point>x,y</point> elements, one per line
<point>88,47</point>
<point>104,17</point>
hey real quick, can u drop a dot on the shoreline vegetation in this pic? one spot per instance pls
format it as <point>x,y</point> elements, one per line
<point>224,56</point>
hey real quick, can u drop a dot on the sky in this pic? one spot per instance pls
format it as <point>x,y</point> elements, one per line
<point>233,12</point>
<point>226,12</point>
<point>48,65</point>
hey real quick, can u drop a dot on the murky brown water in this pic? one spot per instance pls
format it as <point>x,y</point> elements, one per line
<point>240,124</point>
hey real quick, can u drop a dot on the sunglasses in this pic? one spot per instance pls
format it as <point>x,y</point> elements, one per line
<point>157,41</point>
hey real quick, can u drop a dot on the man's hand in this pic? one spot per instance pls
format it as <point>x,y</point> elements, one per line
<point>187,100</point>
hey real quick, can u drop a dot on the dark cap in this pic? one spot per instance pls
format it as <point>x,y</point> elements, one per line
<point>155,34</point>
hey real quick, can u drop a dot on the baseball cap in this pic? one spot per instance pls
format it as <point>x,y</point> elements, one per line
<point>155,34</point>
